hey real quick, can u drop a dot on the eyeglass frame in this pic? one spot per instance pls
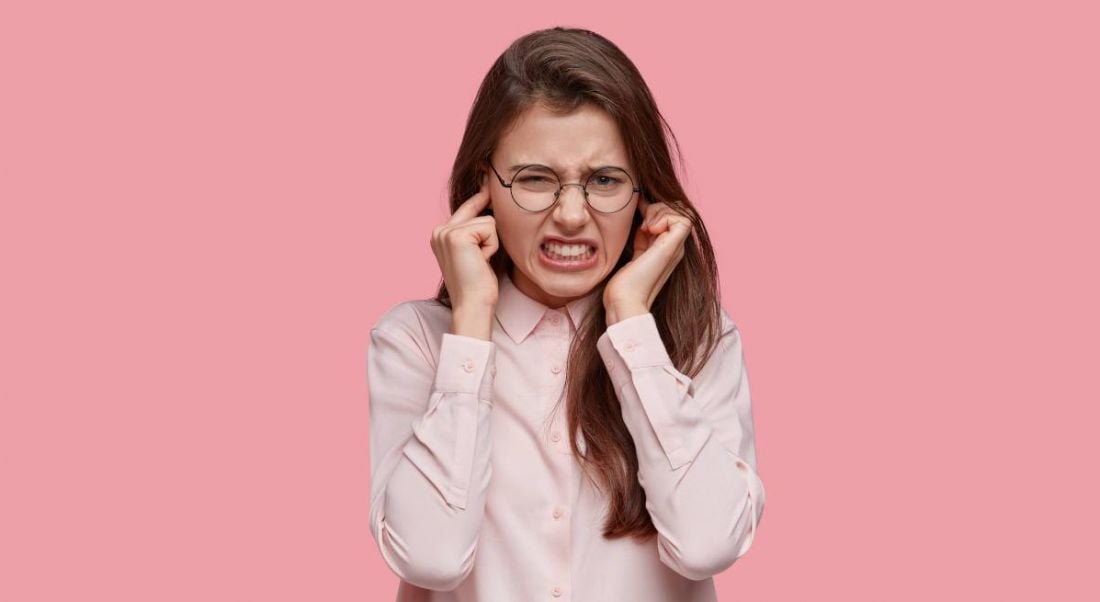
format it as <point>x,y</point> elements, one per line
<point>561,186</point>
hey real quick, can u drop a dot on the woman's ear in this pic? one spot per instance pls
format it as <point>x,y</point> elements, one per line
<point>488,210</point>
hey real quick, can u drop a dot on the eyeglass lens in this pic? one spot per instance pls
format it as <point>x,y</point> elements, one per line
<point>608,190</point>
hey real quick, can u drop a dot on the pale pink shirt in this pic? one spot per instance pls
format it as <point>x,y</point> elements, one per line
<point>472,499</point>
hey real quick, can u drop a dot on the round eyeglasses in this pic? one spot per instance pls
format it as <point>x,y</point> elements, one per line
<point>536,188</point>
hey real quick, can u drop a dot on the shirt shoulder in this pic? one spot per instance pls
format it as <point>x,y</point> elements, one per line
<point>418,323</point>
<point>419,318</point>
<point>727,324</point>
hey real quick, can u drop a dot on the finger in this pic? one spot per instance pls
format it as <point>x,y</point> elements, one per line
<point>479,229</point>
<point>486,235</point>
<point>676,228</point>
<point>490,246</point>
<point>680,228</point>
<point>473,205</point>
<point>656,210</point>
<point>655,219</point>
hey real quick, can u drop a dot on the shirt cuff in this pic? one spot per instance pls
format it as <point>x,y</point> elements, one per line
<point>629,344</point>
<point>466,365</point>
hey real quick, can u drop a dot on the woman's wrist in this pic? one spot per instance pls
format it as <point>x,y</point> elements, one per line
<point>620,313</point>
<point>473,322</point>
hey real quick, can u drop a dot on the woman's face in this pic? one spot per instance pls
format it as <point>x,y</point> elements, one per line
<point>571,145</point>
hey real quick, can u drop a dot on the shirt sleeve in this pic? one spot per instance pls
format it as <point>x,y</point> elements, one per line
<point>430,453</point>
<point>695,444</point>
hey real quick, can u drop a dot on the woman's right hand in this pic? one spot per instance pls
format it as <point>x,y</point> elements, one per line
<point>462,246</point>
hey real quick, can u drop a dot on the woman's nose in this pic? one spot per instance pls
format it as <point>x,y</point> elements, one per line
<point>571,208</point>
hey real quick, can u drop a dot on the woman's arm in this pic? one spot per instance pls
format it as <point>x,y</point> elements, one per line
<point>430,452</point>
<point>695,444</point>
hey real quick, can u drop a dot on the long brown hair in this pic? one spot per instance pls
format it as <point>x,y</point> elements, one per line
<point>562,69</point>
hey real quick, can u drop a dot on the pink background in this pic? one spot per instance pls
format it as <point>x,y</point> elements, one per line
<point>206,206</point>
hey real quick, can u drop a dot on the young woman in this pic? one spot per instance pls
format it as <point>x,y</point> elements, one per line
<point>570,418</point>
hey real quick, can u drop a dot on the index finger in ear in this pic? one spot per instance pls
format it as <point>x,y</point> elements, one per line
<point>473,205</point>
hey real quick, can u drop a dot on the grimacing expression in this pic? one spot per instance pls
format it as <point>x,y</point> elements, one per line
<point>572,145</point>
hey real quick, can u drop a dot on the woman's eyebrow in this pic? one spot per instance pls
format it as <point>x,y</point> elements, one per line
<point>589,169</point>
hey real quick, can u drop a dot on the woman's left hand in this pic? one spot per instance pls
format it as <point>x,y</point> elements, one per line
<point>658,248</point>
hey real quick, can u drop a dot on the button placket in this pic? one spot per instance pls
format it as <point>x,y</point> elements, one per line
<point>554,342</point>
<point>562,354</point>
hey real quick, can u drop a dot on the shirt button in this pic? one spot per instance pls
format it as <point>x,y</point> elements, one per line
<point>555,319</point>
<point>741,465</point>
<point>493,369</point>
<point>556,592</point>
<point>555,437</point>
<point>557,513</point>
<point>555,369</point>
<point>631,346</point>
<point>468,365</point>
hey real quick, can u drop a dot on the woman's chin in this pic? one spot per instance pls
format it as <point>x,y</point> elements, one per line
<point>567,284</point>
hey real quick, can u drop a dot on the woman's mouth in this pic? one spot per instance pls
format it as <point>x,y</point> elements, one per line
<point>567,257</point>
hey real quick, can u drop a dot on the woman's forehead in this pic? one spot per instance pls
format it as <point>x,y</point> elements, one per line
<point>572,143</point>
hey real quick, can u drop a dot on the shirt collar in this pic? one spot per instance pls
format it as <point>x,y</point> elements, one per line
<point>518,314</point>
